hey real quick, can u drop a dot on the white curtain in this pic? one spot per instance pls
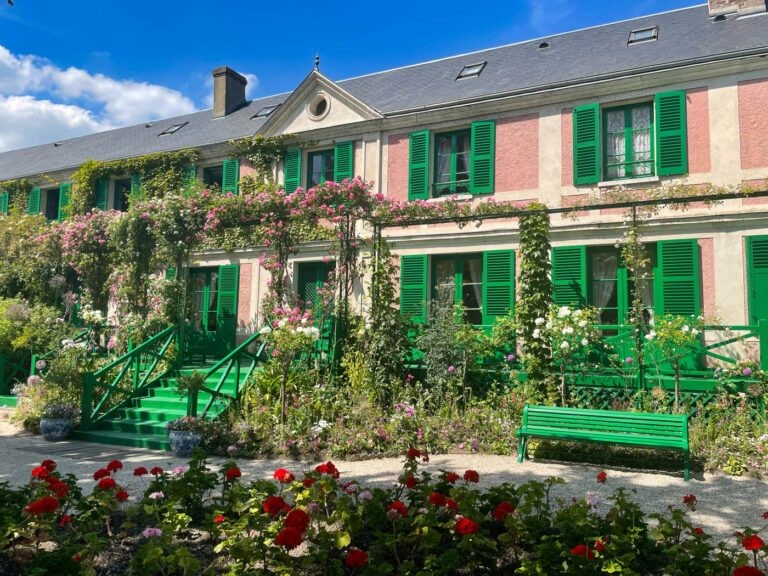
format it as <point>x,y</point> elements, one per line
<point>476,272</point>
<point>444,160</point>
<point>604,268</point>
<point>641,140</point>
<point>616,145</point>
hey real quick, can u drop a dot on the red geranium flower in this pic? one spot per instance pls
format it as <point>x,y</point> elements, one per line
<point>697,532</point>
<point>583,550</point>
<point>219,519</point>
<point>451,477</point>
<point>398,507</point>
<point>356,558</point>
<point>748,571</point>
<point>451,503</point>
<point>602,476</point>
<point>412,453</point>
<point>122,496</point>
<point>40,472</point>
<point>466,526</point>
<point>752,542</point>
<point>690,501</point>
<point>297,519</point>
<point>437,499</point>
<point>288,537</point>
<point>232,473</point>
<point>409,481</point>
<point>471,476</point>
<point>106,484</point>
<point>100,473</point>
<point>114,466</point>
<point>58,487</point>
<point>502,510</point>
<point>599,546</point>
<point>765,515</point>
<point>156,471</point>
<point>308,481</point>
<point>49,464</point>
<point>43,505</point>
<point>328,468</point>
<point>274,505</point>
<point>64,520</point>
<point>140,471</point>
<point>284,476</point>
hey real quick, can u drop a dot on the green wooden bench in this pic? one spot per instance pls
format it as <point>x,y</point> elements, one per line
<point>606,426</point>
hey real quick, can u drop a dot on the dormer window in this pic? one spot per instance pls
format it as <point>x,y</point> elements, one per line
<point>471,70</point>
<point>173,129</point>
<point>643,35</point>
<point>265,111</point>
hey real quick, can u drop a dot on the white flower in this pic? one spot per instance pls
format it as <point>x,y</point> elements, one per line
<point>265,330</point>
<point>569,330</point>
<point>304,321</point>
<point>565,345</point>
<point>695,332</point>
<point>536,333</point>
<point>368,326</point>
<point>539,321</point>
<point>281,323</point>
<point>361,332</point>
<point>582,323</point>
<point>563,312</point>
<point>584,342</point>
<point>549,325</point>
<point>685,328</point>
<point>651,335</point>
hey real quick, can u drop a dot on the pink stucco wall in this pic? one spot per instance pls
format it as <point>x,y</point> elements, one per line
<point>697,114</point>
<point>706,250</point>
<point>517,153</point>
<point>397,167</point>
<point>574,200</point>
<point>244,295</point>
<point>566,131</point>
<point>758,184</point>
<point>246,168</point>
<point>753,123</point>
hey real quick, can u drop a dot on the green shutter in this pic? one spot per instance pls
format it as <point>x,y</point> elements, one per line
<point>343,161</point>
<point>671,134</point>
<point>4,203</point>
<point>64,193</point>
<point>33,205</point>
<point>418,166</point>
<point>230,175</point>
<point>679,286</point>
<point>100,197</point>
<point>757,278</point>
<point>226,309</point>
<point>569,276</point>
<point>135,187</point>
<point>498,285</point>
<point>189,176</point>
<point>292,169</point>
<point>482,157</point>
<point>586,144</point>
<point>170,273</point>
<point>413,287</point>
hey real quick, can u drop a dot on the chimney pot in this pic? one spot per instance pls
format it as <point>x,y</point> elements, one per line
<point>741,7</point>
<point>228,91</point>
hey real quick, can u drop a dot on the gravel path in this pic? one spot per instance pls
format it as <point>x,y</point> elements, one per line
<point>726,503</point>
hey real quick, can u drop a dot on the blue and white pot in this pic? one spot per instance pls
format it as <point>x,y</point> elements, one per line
<point>55,429</point>
<point>183,442</point>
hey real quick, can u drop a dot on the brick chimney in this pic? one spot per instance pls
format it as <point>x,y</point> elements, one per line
<point>742,7</point>
<point>228,91</point>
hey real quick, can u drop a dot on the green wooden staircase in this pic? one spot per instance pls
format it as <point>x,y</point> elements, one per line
<point>129,402</point>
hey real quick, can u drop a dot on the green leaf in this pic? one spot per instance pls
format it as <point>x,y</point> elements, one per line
<point>343,539</point>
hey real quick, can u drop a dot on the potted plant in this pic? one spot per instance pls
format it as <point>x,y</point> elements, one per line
<point>185,434</point>
<point>58,420</point>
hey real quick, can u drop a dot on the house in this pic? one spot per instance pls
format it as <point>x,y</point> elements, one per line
<point>671,98</point>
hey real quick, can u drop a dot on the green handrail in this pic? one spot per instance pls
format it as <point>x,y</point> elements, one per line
<point>79,337</point>
<point>230,361</point>
<point>155,347</point>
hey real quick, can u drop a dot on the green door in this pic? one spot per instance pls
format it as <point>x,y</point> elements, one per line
<point>757,278</point>
<point>311,277</point>
<point>204,288</point>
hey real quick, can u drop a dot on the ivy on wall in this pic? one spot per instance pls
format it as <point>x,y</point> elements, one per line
<point>159,173</point>
<point>18,194</point>
<point>265,152</point>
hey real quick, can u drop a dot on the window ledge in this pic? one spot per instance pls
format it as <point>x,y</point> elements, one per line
<point>628,181</point>
<point>450,197</point>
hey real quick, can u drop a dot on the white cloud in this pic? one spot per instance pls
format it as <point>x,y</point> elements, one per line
<point>40,102</point>
<point>253,83</point>
<point>544,15</point>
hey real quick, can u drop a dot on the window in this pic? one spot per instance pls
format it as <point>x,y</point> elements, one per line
<point>319,167</point>
<point>265,111</point>
<point>51,197</point>
<point>757,278</point>
<point>213,176</point>
<point>173,129</point>
<point>484,283</point>
<point>122,191</point>
<point>4,203</point>
<point>462,162</point>
<point>471,71</point>
<point>643,35</point>
<point>633,141</point>
<point>628,142</point>
<point>451,163</point>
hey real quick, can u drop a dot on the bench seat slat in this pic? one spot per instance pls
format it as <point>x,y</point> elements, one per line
<point>617,438</point>
<point>608,426</point>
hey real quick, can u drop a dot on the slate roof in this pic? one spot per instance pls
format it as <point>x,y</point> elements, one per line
<point>685,36</point>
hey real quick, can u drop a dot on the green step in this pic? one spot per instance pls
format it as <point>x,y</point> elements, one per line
<point>155,442</point>
<point>8,400</point>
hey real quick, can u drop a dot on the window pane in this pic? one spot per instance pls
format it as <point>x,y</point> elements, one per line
<point>444,152</point>
<point>328,166</point>
<point>604,295</point>
<point>213,299</point>
<point>213,175</point>
<point>445,271</point>
<point>615,149</point>
<point>641,140</point>
<point>315,169</point>
<point>122,191</point>
<point>52,204</point>
<point>462,157</point>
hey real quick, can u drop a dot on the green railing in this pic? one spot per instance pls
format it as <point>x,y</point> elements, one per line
<point>241,362</point>
<point>120,380</point>
<point>10,371</point>
<point>81,336</point>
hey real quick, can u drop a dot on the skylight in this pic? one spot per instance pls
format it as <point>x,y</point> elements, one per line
<point>173,129</point>
<point>643,35</point>
<point>266,111</point>
<point>471,71</point>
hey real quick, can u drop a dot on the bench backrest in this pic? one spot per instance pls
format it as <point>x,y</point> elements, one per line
<point>606,421</point>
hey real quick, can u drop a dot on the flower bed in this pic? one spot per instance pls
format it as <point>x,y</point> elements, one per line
<point>192,520</point>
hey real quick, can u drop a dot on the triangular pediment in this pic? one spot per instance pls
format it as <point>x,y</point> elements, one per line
<point>316,103</point>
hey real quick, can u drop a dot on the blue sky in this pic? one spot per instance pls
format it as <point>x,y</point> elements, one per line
<point>72,67</point>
